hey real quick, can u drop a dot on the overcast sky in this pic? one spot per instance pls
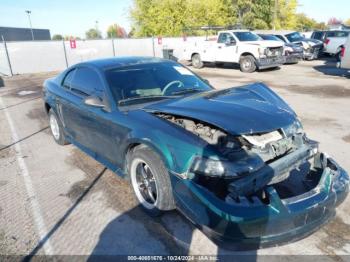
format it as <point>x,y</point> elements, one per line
<point>76,16</point>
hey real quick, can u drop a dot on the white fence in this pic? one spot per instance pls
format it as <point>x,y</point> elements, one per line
<point>45,56</point>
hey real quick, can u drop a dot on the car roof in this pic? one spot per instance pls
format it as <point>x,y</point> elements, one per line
<point>274,32</point>
<point>124,61</point>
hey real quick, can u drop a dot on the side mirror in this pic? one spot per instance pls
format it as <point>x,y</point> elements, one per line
<point>94,101</point>
<point>206,81</point>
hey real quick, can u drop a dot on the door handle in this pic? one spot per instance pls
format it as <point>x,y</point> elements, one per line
<point>219,47</point>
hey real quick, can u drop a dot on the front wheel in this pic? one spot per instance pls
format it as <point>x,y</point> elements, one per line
<point>197,61</point>
<point>247,64</point>
<point>150,181</point>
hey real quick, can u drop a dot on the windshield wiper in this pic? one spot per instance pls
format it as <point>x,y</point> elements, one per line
<point>138,98</point>
<point>187,90</point>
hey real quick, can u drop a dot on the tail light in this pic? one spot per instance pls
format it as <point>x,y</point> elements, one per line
<point>327,41</point>
<point>342,52</point>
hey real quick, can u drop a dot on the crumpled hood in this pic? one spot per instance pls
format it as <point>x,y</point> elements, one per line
<point>309,41</point>
<point>244,110</point>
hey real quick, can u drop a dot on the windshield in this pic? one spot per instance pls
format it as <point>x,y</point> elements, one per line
<point>293,37</point>
<point>142,82</point>
<point>247,36</point>
<point>270,37</point>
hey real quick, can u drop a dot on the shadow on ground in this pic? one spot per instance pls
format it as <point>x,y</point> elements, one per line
<point>330,67</point>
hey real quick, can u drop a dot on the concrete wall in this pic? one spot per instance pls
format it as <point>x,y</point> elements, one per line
<point>45,56</point>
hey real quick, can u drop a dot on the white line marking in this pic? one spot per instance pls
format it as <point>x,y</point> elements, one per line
<point>35,207</point>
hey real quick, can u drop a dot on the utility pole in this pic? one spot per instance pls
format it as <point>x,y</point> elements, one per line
<point>30,23</point>
<point>275,15</point>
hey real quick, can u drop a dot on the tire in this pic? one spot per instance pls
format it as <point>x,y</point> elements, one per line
<point>144,164</point>
<point>197,61</point>
<point>247,64</point>
<point>338,56</point>
<point>57,129</point>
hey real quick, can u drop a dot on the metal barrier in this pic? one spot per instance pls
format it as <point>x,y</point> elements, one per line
<point>44,56</point>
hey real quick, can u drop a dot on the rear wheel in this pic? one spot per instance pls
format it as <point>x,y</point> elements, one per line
<point>57,128</point>
<point>197,61</point>
<point>247,64</point>
<point>150,181</point>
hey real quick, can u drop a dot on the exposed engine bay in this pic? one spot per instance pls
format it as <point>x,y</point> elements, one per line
<point>284,159</point>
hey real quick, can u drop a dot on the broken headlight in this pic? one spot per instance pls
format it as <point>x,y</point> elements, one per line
<point>295,128</point>
<point>224,168</point>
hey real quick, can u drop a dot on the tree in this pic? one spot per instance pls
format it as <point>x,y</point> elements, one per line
<point>286,14</point>
<point>305,23</point>
<point>69,37</point>
<point>57,37</point>
<point>93,34</point>
<point>116,31</point>
<point>334,21</point>
<point>347,22</point>
<point>171,17</point>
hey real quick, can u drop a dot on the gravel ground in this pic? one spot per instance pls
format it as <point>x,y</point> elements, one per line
<point>57,200</point>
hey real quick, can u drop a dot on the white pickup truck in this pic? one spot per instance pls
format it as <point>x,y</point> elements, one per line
<point>236,46</point>
<point>333,45</point>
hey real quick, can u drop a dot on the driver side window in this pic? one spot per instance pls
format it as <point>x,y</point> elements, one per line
<point>224,37</point>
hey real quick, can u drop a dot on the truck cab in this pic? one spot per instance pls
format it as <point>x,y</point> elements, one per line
<point>237,46</point>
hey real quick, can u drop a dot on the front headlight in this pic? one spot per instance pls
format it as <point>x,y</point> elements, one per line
<point>288,49</point>
<point>262,51</point>
<point>295,128</point>
<point>225,168</point>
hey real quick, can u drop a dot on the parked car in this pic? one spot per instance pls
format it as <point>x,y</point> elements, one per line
<point>292,52</point>
<point>236,46</point>
<point>312,47</point>
<point>334,42</point>
<point>236,162</point>
<point>323,35</point>
<point>345,55</point>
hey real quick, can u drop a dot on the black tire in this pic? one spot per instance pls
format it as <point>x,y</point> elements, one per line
<point>197,61</point>
<point>164,200</point>
<point>247,64</point>
<point>58,135</point>
<point>338,56</point>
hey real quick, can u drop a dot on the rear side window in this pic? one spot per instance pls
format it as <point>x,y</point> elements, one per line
<point>86,82</point>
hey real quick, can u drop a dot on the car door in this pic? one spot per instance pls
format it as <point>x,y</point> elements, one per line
<point>89,126</point>
<point>226,48</point>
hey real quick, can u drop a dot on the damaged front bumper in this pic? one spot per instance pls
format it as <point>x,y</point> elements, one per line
<point>312,53</point>
<point>269,62</point>
<point>293,58</point>
<point>250,223</point>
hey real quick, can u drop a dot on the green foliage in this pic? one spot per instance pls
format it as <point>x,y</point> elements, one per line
<point>57,37</point>
<point>170,17</point>
<point>93,34</point>
<point>116,31</point>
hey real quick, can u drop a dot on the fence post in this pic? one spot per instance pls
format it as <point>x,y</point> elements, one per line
<point>154,50</point>
<point>113,46</point>
<point>65,53</point>
<point>7,55</point>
